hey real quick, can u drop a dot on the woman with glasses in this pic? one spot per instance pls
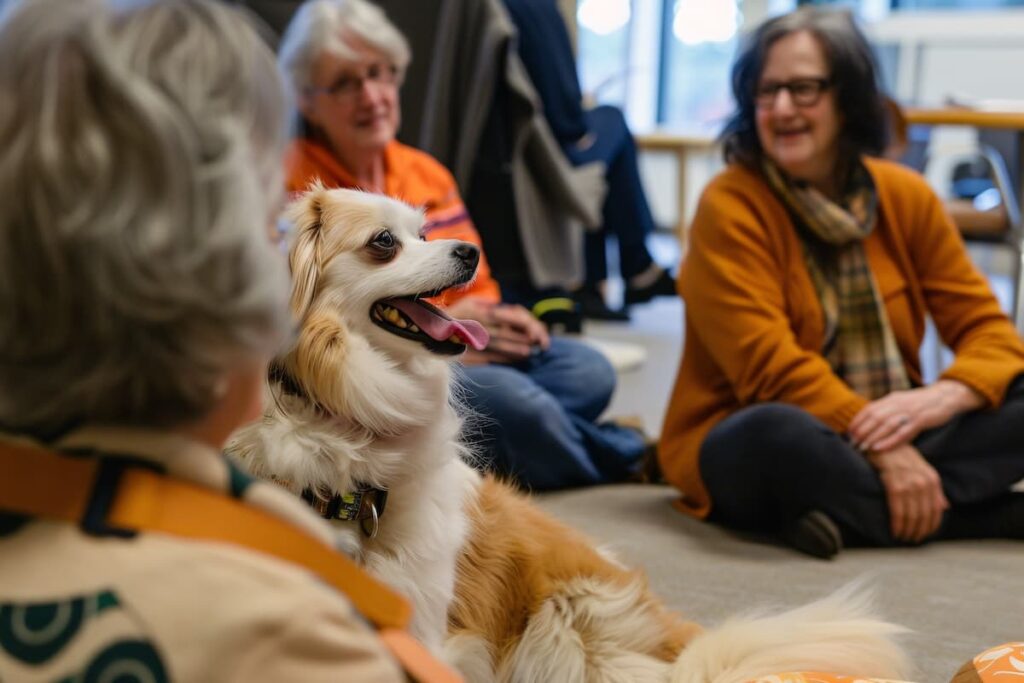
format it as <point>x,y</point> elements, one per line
<point>799,408</point>
<point>539,397</point>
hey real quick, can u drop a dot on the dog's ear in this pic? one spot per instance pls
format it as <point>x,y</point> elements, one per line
<point>317,362</point>
<point>305,253</point>
<point>340,372</point>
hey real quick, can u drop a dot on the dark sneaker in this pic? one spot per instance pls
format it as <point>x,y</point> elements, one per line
<point>593,306</point>
<point>815,534</point>
<point>665,285</point>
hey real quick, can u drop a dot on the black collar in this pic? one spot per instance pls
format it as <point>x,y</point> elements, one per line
<point>364,505</point>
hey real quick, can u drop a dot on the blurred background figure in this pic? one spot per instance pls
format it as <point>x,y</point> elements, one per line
<point>539,398</point>
<point>800,407</point>
<point>589,135</point>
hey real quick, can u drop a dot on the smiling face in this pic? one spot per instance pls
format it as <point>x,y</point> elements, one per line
<point>803,140</point>
<point>354,103</point>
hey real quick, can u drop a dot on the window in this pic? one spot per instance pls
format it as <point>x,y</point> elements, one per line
<point>699,41</point>
<point>603,38</point>
<point>665,62</point>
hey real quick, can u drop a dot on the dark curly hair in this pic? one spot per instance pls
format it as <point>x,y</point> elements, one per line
<point>854,76</point>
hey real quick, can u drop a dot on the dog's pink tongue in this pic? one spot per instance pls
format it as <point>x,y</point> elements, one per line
<point>440,326</point>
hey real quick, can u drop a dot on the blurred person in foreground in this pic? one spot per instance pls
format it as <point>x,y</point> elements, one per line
<point>799,408</point>
<point>140,299</point>
<point>540,398</point>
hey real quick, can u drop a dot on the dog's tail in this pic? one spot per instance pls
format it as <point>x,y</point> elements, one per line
<point>839,634</point>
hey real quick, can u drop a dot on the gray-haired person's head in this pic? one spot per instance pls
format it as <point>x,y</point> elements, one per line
<point>140,147</point>
<point>853,74</point>
<point>337,27</point>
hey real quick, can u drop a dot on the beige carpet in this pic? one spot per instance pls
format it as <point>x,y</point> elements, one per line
<point>958,598</point>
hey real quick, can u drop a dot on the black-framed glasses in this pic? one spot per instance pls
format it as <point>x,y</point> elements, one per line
<point>348,85</point>
<point>805,92</point>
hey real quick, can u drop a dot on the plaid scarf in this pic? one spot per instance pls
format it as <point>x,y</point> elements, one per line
<point>859,343</point>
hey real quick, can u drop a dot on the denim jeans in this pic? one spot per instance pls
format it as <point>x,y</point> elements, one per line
<point>766,465</point>
<point>626,213</point>
<point>536,421</point>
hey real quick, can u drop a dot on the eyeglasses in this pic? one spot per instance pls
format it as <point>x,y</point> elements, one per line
<point>348,85</point>
<point>805,92</point>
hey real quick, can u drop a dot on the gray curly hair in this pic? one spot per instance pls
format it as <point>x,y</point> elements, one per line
<point>332,26</point>
<point>140,150</point>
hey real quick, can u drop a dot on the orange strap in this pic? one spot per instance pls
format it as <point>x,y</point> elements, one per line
<point>41,483</point>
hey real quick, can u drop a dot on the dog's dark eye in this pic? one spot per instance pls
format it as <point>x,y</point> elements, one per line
<point>383,240</point>
<point>383,247</point>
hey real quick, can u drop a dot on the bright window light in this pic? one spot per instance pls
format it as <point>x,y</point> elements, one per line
<point>603,16</point>
<point>705,21</point>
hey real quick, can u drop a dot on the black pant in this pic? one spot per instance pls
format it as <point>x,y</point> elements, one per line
<point>768,464</point>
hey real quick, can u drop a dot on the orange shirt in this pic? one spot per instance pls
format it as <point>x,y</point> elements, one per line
<point>754,325</point>
<point>414,177</point>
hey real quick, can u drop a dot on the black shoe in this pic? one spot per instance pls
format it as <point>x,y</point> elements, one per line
<point>649,471</point>
<point>815,534</point>
<point>593,306</point>
<point>665,285</point>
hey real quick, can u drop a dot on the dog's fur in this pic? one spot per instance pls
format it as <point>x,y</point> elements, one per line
<point>503,591</point>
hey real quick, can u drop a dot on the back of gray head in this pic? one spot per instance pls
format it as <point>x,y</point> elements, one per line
<point>140,147</point>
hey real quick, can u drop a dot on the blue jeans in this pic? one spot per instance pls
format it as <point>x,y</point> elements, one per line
<point>536,420</point>
<point>626,213</point>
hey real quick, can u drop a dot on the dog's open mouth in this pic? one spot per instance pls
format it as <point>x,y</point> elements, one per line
<point>412,318</point>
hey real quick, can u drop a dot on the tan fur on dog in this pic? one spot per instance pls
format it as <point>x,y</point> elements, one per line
<point>519,557</point>
<point>502,590</point>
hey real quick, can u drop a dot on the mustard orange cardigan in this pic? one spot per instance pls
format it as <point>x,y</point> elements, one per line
<point>754,324</point>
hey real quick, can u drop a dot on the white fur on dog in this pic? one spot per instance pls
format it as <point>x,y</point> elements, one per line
<point>839,633</point>
<point>379,410</point>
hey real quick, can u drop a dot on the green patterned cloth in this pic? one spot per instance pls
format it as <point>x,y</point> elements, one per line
<point>859,342</point>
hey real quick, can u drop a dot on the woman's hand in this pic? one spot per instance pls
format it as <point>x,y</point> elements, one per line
<point>913,490</point>
<point>897,418</point>
<point>515,333</point>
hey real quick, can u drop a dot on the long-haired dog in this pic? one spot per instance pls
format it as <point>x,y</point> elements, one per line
<point>362,411</point>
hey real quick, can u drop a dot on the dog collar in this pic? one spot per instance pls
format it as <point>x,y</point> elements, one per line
<point>364,505</point>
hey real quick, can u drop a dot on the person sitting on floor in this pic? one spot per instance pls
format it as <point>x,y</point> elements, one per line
<point>141,299</point>
<point>540,398</point>
<point>588,135</point>
<point>799,407</point>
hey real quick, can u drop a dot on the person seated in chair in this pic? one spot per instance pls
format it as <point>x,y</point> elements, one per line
<point>589,135</point>
<point>799,408</point>
<point>539,398</point>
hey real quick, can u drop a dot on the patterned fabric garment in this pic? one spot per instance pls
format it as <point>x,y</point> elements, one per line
<point>1001,663</point>
<point>859,342</point>
<point>816,677</point>
<point>149,607</point>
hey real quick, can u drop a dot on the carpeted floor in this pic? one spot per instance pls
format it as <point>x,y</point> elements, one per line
<point>958,598</point>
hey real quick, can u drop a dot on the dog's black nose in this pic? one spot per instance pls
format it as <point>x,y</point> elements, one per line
<point>468,254</point>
